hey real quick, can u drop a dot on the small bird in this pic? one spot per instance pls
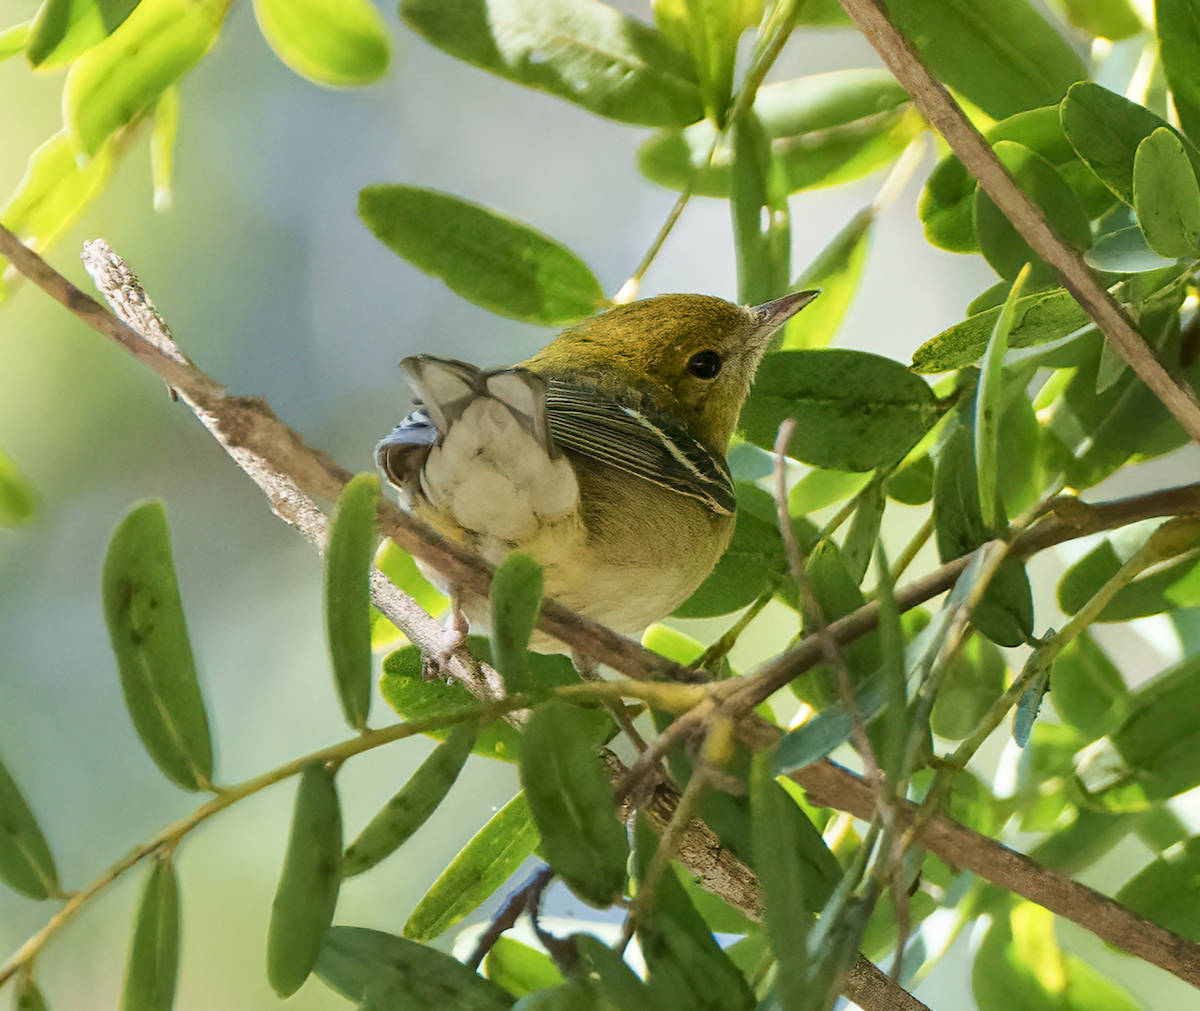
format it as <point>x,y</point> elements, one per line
<point>602,456</point>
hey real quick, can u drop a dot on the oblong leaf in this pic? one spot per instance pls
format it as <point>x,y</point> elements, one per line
<point>153,966</point>
<point>149,636</point>
<point>55,191</point>
<point>25,860</point>
<point>1179,46</point>
<point>761,223</point>
<point>854,410</point>
<point>777,864</point>
<point>580,50</point>
<point>1037,319</point>
<point>516,600</point>
<point>824,129</point>
<point>348,555</point>
<point>409,809</point>
<point>122,76</point>
<point>62,29</point>
<point>18,501</point>
<point>1106,130</point>
<point>405,689</point>
<point>335,42</point>
<point>1166,195</point>
<point>1001,54</point>
<point>308,884</point>
<point>1002,246</point>
<point>572,803</point>
<point>377,970</point>
<point>1168,890</point>
<point>162,147</point>
<point>490,857</point>
<point>494,261</point>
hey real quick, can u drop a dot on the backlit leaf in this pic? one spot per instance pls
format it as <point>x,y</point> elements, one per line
<point>334,42</point>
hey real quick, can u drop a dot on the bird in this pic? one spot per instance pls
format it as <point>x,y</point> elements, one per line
<point>602,456</point>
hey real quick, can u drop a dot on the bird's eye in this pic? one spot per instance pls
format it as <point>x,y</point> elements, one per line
<point>705,364</point>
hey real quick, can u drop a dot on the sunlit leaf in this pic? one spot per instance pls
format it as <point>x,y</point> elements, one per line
<point>334,42</point>
<point>62,29</point>
<point>581,50</point>
<point>122,76</point>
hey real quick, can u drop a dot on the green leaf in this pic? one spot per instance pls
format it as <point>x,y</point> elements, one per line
<point>27,996</point>
<point>398,565</point>
<point>572,803</point>
<point>1019,964</point>
<point>498,263</point>
<point>162,147</point>
<point>335,42</point>
<point>1166,196</point>
<point>912,483</point>
<point>122,76</point>
<point>753,563</point>
<point>62,29</point>
<point>859,545</point>
<point>1088,689</point>
<point>687,968</point>
<point>348,555</point>
<point>580,50</point>
<point>153,965</point>
<point>989,407</point>
<point>836,271</point>
<point>709,31</point>
<point>1001,54</point>
<point>308,885</point>
<point>149,636</point>
<point>1110,19</point>
<point>516,601</point>
<point>1038,319</point>
<point>1106,130</point>
<point>971,684</point>
<point>18,500</point>
<point>617,981</point>
<point>761,225</point>
<point>25,860</point>
<point>12,41</point>
<point>1167,890</point>
<point>824,129</point>
<point>491,856</point>
<point>519,968</point>
<point>782,879</point>
<point>1149,594</point>
<point>377,970</point>
<point>55,191</point>
<point>1003,248</point>
<point>820,488</point>
<point>1125,251</point>
<point>1178,27</point>
<point>409,809</point>
<point>1159,738</point>
<point>405,689</point>
<point>854,410</point>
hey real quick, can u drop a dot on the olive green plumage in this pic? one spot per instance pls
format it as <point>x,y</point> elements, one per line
<point>603,455</point>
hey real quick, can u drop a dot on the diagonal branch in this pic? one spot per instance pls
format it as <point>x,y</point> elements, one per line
<point>943,112</point>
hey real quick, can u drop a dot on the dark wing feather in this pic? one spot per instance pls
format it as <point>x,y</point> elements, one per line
<point>638,441</point>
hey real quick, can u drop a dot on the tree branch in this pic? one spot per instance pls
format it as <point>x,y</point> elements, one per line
<point>943,112</point>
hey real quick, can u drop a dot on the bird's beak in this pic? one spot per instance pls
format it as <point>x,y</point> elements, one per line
<point>772,315</point>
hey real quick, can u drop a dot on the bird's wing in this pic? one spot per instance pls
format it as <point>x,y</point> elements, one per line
<point>639,442</point>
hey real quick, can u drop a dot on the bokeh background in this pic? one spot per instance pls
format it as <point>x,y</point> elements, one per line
<point>273,286</point>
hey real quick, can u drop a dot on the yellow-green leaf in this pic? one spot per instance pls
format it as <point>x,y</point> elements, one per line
<point>123,75</point>
<point>18,500</point>
<point>62,29</point>
<point>335,42</point>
